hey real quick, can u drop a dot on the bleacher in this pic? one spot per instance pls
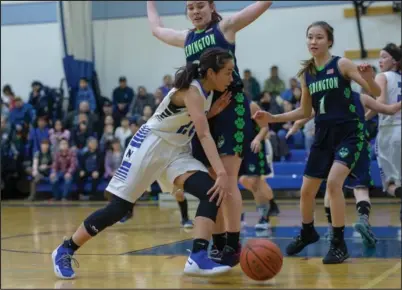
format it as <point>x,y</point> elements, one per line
<point>288,175</point>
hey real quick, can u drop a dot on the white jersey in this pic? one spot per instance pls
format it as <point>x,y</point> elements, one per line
<point>172,123</point>
<point>393,96</point>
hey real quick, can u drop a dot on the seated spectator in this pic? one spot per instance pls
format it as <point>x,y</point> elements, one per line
<point>123,132</point>
<point>8,97</point>
<point>274,85</point>
<point>287,94</point>
<point>107,138</point>
<point>113,159</point>
<point>5,112</point>
<point>133,128</point>
<point>36,135</point>
<point>57,133</point>
<point>251,86</point>
<point>40,99</point>
<point>73,118</point>
<point>123,96</point>
<point>22,114</point>
<point>143,99</point>
<point>167,85</point>
<point>90,166</point>
<point>309,131</point>
<point>42,164</point>
<point>80,136</point>
<point>297,138</point>
<point>85,93</point>
<point>147,113</point>
<point>63,169</point>
<point>269,104</point>
<point>158,96</point>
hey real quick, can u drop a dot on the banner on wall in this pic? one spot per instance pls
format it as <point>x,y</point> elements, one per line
<point>77,38</point>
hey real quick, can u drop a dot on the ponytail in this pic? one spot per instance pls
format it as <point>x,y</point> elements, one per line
<point>308,66</point>
<point>215,17</point>
<point>185,75</point>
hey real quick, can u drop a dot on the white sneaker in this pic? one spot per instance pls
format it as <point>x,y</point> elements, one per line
<point>198,264</point>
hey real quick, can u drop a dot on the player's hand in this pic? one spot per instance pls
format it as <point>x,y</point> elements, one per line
<point>396,107</point>
<point>220,188</point>
<point>366,71</point>
<point>292,130</point>
<point>263,118</point>
<point>220,105</point>
<point>256,146</point>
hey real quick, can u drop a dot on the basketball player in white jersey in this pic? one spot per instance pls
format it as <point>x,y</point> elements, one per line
<point>160,150</point>
<point>388,142</point>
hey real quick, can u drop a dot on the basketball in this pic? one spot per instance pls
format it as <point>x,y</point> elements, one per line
<point>261,259</point>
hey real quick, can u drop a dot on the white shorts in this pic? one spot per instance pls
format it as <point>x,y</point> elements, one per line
<point>149,158</point>
<point>388,151</point>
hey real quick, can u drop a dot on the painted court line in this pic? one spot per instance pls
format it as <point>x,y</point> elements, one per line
<point>382,277</point>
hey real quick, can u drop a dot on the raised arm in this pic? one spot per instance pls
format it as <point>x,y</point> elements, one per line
<point>243,18</point>
<point>381,80</point>
<point>167,35</point>
<point>379,107</point>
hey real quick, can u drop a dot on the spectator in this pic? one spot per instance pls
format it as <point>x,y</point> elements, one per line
<point>63,168</point>
<point>296,138</point>
<point>288,94</point>
<point>107,138</point>
<point>133,128</point>
<point>309,131</point>
<point>56,134</point>
<point>85,93</point>
<point>274,85</point>
<point>72,118</point>
<point>5,112</point>
<point>36,135</point>
<point>90,166</point>
<point>167,85</point>
<point>143,99</point>
<point>22,114</point>
<point>123,132</point>
<point>40,99</point>
<point>147,113</point>
<point>8,97</point>
<point>158,96</point>
<point>113,159</point>
<point>251,86</point>
<point>80,136</point>
<point>122,97</point>
<point>269,104</point>
<point>42,164</point>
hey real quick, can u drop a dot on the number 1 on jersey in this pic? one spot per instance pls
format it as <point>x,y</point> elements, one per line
<point>322,105</point>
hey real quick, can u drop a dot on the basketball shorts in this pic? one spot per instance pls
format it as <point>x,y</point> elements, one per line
<point>255,164</point>
<point>149,158</point>
<point>388,151</point>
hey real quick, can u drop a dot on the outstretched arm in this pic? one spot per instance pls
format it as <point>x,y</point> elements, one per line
<point>167,35</point>
<point>244,17</point>
<point>381,81</point>
<point>379,107</point>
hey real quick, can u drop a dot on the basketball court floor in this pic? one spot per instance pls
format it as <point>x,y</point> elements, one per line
<point>150,250</point>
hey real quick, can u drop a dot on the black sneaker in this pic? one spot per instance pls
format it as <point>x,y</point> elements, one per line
<point>273,210</point>
<point>338,252</point>
<point>301,241</point>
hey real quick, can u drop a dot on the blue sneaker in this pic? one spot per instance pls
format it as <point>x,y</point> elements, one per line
<point>187,224</point>
<point>199,264</point>
<point>62,258</point>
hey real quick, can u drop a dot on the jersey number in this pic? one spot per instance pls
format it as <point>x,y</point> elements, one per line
<point>187,129</point>
<point>400,89</point>
<point>322,105</point>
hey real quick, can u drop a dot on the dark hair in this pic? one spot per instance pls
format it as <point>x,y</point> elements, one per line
<point>8,89</point>
<point>395,52</point>
<point>213,58</point>
<point>309,65</point>
<point>45,141</point>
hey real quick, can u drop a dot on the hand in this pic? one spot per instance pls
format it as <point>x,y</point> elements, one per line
<point>396,107</point>
<point>95,174</point>
<point>53,176</point>
<point>220,105</point>
<point>82,173</point>
<point>43,167</point>
<point>220,188</point>
<point>67,176</point>
<point>292,130</point>
<point>34,173</point>
<point>263,118</point>
<point>366,71</point>
<point>256,146</point>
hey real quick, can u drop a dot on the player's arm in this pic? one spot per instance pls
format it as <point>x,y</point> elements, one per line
<point>262,134</point>
<point>195,106</point>
<point>243,18</point>
<point>382,82</point>
<point>379,107</point>
<point>167,35</point>
<point>351,71</point>
<point>298,125</point>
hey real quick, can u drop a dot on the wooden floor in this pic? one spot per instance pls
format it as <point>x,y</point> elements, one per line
<point>150,250</point>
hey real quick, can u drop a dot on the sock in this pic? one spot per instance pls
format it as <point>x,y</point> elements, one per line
<point>308,228</point>
<point>219,241</point>
<point>363,208</point>
<point>69,244</point>
<point>233,240</point>
<point>200,245</point>
<point>183,209</point>
<point>338,233</point>
<point>328,214</point>
<point>263,210</point>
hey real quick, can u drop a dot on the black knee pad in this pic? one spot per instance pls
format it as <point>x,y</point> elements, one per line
<point>107,216</point>
<point>198,185</point>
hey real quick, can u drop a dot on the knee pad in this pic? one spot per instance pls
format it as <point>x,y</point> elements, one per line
<point>198,185</point>
<point>107,216</point>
